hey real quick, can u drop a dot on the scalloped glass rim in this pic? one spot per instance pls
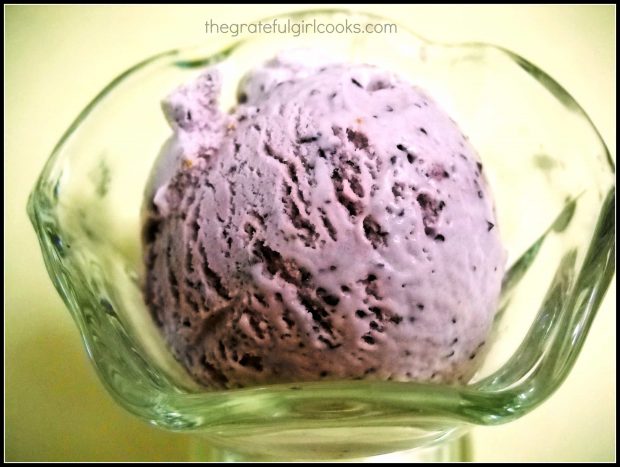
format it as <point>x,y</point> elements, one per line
<point>537,368</point>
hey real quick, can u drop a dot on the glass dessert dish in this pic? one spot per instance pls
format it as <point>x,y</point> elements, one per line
<point>553,181</point>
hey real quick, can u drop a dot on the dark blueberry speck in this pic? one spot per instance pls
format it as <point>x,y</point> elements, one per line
<point>396,319</point>
<point>251,360</point>
<point>308,139</point>
<point>331,300</point>
<point>356,82</point>
<point>490,225</point>
<point>359,139</point>
<point>368,339</point>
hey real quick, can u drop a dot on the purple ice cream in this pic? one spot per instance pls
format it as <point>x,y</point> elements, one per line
<point>335,225</point>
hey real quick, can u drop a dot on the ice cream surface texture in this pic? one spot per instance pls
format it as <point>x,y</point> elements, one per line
<point>336,224</point>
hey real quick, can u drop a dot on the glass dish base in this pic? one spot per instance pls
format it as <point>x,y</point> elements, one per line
<point>452,450</point>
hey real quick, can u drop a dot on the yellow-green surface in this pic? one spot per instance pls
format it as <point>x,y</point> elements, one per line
<point>57,58</point>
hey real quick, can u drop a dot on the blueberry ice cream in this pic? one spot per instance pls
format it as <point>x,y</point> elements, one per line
<point>335,224</point>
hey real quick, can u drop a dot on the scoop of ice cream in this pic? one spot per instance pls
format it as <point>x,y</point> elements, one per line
<point>335,225</point>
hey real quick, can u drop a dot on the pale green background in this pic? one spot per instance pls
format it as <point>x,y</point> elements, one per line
<point>57,58</point>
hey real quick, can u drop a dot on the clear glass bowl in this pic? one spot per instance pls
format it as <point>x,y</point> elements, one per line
<point>554,186</point>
